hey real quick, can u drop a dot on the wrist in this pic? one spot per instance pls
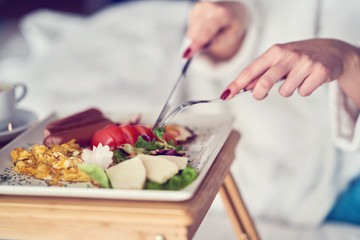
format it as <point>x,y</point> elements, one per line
<point>349,81</point>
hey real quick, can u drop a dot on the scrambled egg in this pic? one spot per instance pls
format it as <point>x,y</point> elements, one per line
<point>56,163</point>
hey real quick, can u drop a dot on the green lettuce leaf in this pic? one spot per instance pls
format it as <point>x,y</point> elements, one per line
<point>119,156</point>
<point>141,143</point>
<point>159,132</point>
<point>177,182</point>
<point>153,186</point>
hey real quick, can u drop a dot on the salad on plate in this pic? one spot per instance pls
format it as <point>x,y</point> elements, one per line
<point>88,147</point>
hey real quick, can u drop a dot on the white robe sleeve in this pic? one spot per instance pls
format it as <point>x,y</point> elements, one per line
<point>345,120</point>
<point>336,22</point>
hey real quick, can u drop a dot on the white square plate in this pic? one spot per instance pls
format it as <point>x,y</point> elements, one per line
<point>211,133</point>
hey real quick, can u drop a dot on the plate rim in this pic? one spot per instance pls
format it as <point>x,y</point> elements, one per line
<point>81,192</point>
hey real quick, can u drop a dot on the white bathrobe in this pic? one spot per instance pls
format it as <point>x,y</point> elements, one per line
<point>296,154</point>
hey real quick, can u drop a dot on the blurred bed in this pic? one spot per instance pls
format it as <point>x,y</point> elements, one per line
<point>124,57</point>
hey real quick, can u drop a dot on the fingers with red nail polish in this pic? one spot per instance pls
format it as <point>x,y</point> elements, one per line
<point>225,94</point>
<point>187,53</point>
<point>191,50</point>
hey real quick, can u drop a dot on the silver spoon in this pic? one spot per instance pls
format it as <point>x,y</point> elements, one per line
<point>191,103</point>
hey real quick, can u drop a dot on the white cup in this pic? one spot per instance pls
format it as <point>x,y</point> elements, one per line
<point>9,96</point>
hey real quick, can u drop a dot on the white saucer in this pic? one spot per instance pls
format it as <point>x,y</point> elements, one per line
<point>23,120</point>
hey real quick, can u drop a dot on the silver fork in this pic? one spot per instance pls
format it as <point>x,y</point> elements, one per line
<point>191,103</point>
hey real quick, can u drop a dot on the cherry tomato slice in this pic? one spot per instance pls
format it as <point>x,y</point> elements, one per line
<point>117,133</point>
<point>115,136</point>
<point>131,133</point>
<point>145,131</point>
<point>103,137</point>
<point>168,137</point>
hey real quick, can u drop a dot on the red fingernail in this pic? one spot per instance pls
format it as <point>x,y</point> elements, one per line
<point>225,94</point>
<point>187,53</point>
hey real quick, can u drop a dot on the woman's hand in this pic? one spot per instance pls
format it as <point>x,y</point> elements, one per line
<point>217,29</point>
<point>305,65</point>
